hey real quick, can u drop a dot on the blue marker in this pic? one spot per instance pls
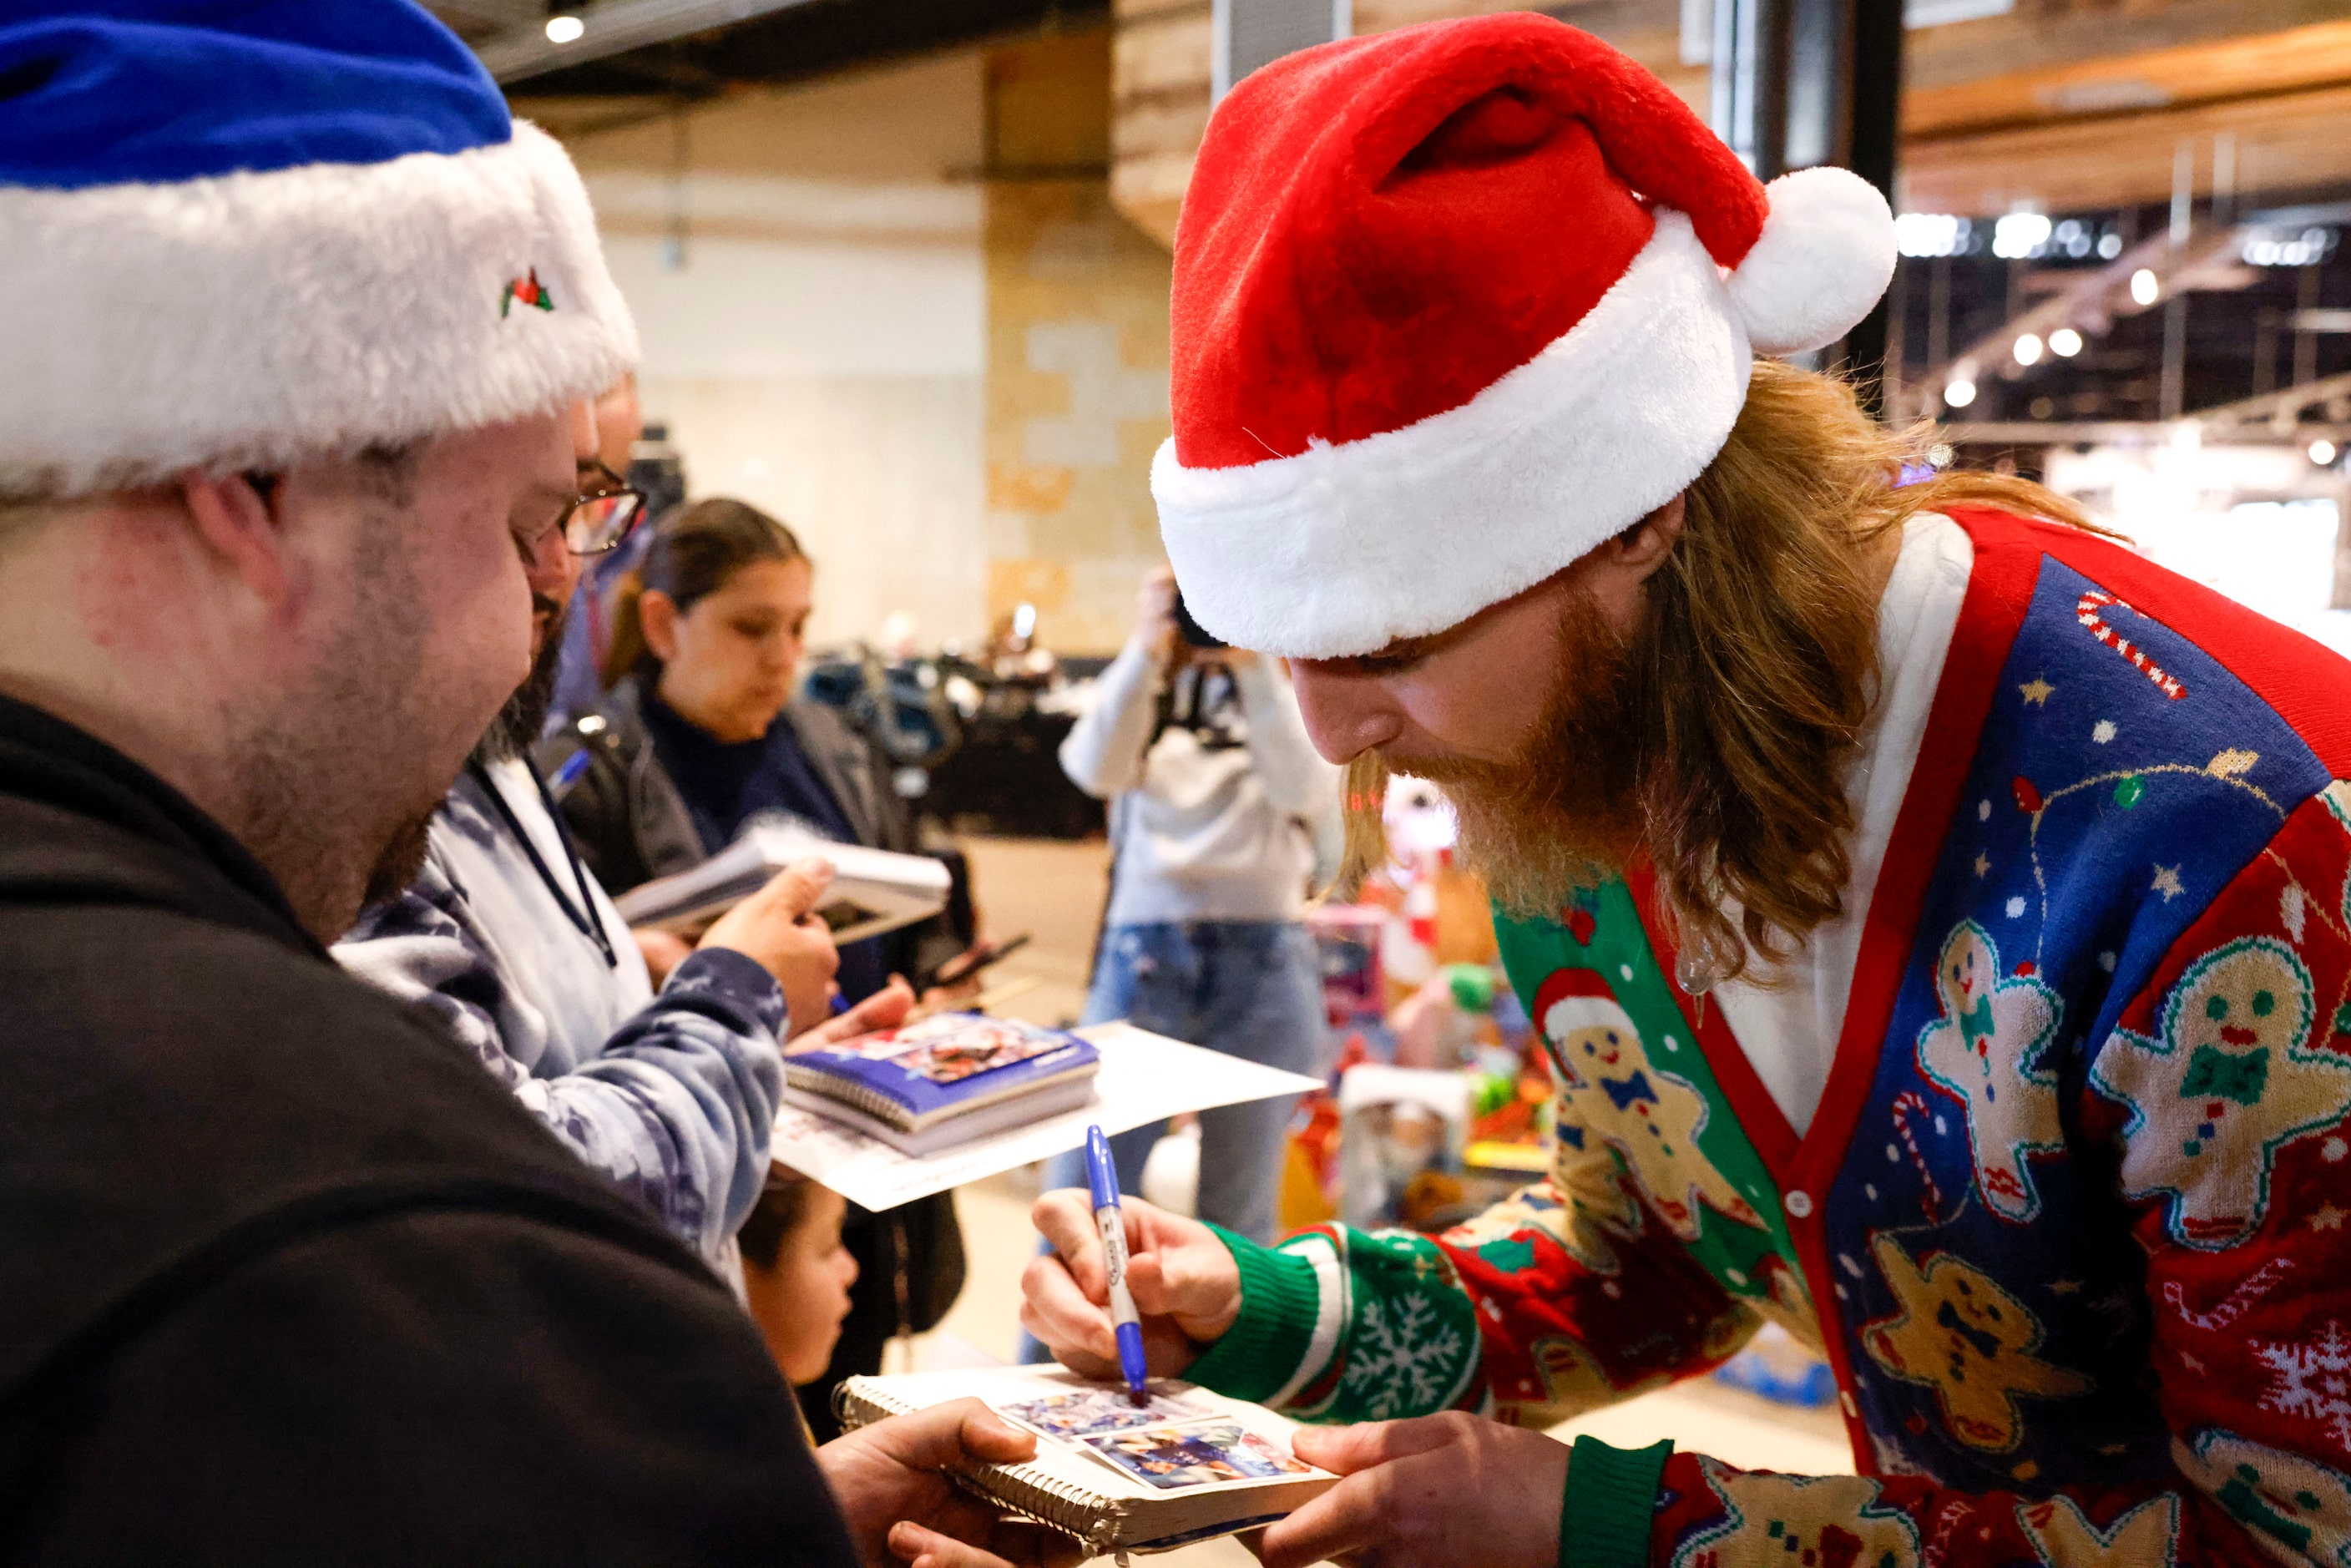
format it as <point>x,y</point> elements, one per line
<point>1103,1177</point>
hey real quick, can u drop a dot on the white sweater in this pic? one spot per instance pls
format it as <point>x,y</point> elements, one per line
<point>1217,823</point>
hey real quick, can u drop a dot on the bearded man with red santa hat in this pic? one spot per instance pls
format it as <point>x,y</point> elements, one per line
<point>1937,917</point>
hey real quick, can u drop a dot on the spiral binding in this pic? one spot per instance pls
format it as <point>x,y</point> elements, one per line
<point>1091,1520</point>
<point>861,1096</point>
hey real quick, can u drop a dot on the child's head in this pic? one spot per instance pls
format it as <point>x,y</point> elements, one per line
<point>796,1273</point>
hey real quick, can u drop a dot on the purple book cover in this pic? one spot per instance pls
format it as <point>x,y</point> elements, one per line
<point>948,1060</point>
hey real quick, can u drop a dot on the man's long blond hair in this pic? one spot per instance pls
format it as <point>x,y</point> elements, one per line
<point>1757,659</point>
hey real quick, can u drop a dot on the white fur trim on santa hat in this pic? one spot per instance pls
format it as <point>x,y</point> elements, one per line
<point>254,320</point>
<point>1572,1015</point>
<point>1343,550</point>
<point>1825,256</point>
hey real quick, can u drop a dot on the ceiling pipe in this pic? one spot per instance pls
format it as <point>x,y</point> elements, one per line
<point>616,27</point>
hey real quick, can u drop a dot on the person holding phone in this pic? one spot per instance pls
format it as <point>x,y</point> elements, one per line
<point>1215,788</point>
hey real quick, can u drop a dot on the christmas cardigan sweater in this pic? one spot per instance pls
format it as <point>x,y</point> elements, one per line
<point>2070,1222</point>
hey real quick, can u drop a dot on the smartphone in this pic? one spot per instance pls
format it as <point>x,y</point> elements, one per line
<point>962,967</point>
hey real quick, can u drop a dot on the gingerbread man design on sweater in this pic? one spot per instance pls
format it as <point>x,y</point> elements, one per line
<point>2296,1510</point>
<point>1823,1522</point>
<point>1611,1092</point>
<point>1985,1050</point>
<point>2065,1536</point>
<point>2232,1079</point>
<point>1972,1343</point>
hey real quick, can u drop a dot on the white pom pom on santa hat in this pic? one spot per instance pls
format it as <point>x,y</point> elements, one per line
<point>1825,256</point>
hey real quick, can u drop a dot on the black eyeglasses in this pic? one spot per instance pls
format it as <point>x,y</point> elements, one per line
<point>598,523</point>
<point>594,526</point>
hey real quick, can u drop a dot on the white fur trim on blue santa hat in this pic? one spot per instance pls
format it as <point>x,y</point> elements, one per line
<point>1343,549</point>
<point>255,321</point>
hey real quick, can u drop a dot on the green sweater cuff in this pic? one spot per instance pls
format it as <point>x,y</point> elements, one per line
<point>1260,1354</point>
<point>1611,1493</point>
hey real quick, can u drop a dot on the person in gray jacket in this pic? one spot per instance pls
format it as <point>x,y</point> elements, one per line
<point>1216,791</point>
<point>513,945</point>
<point>702,736</point>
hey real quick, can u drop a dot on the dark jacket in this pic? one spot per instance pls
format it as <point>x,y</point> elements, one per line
<point>632,826</point>
<point>287,1277</point>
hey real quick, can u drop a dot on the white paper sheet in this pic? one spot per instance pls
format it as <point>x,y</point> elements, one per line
<point>1143,1078</point>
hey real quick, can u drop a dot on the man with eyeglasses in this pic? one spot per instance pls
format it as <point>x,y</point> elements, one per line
<point>298,322</point>
<point>508,940</point>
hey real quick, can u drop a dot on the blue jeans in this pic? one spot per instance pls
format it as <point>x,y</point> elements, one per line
<point>1251,988</point>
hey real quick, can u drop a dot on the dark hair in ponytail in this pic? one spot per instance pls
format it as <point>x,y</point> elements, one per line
<point>697,550</point>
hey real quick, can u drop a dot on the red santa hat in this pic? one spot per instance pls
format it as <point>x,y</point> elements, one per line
<point>1455,304</point>
<point>1573,1000</point>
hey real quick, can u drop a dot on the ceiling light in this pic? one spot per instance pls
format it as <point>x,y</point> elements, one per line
<point>2144,290</point>
<point>2027,349</point>
<point>1958,393</point>
<point>1929,234</point>
<point>565,29</point>
<point>2064,342</point>
<point>2321,452</point>
<point>2018,235</point>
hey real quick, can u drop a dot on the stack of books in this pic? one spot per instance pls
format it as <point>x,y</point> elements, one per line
<point>945,1080</point>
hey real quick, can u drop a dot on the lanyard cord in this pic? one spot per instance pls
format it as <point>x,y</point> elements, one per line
<point>590,924</point>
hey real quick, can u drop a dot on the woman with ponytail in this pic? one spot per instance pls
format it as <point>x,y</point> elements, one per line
<point>703,735</point>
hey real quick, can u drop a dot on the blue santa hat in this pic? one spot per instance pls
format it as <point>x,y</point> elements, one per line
<point>242,234</point>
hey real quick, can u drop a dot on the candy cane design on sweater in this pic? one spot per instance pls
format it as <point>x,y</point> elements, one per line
<point>2086,612</point>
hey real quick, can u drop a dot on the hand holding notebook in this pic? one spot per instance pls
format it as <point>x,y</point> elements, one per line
<point>890,1479</point>
<point>1183,1465</point>
<point>1451,1490</point>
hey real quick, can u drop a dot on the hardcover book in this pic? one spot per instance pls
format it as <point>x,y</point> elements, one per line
<point>873,890</point>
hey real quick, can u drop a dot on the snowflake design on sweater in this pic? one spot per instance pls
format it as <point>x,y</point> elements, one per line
<point>2312,1381</point>
<point>1985,1051</point>
<point>2296,1510</point>
<point>1829,1521</point>
<point>1403,1358</point>
<point>2232,1079</point>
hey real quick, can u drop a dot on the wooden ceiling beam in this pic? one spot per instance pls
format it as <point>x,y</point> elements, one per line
<point>2293,60</point>
<point>2289,141</point>
<point>2035,107</point>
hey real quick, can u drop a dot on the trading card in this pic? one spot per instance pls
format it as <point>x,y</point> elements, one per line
<point>1086,1412</point>
<point>1175,1457</point>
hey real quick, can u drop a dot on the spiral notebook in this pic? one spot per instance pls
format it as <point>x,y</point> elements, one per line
<point>1186,1465</point>
<point>945,1080</point>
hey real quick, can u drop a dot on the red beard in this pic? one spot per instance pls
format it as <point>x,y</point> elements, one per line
<point>1564,812</point>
